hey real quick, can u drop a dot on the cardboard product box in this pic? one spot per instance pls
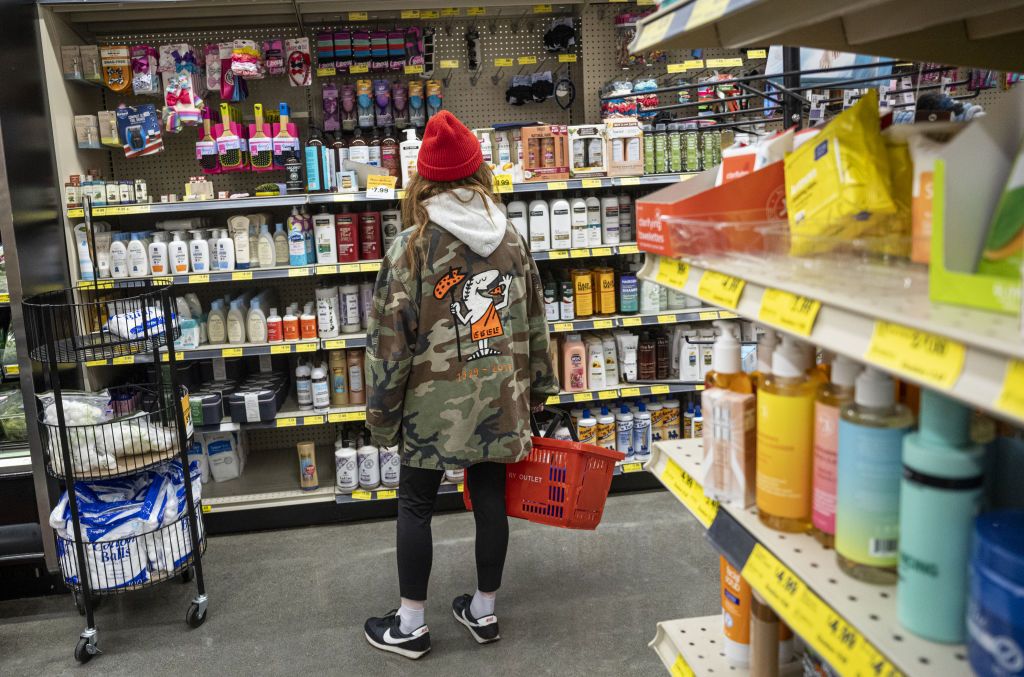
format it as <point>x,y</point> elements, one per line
<point>71,61</point>
<point>730,446</point>
<point>545,152</point>
<point>624,150</point>
<point>587,151</point>
<point>90,62</point>
<point>713,219</point>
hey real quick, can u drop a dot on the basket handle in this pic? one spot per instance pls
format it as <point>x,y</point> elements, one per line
<point>560,416</point>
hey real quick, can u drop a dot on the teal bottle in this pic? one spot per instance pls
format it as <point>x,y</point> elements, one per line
<point>940,495</point>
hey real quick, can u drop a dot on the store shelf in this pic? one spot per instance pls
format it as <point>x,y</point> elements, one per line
<point>693,646</point>
<point>982,34</point>
<point>15,460</point>
<point>11,371</point>
<point>247,203</point>
<point>670,317</point>
<point>243,275</point>
<point>624,392</point>
<point>586,252</point>
<point>850,623</point>
<point>5,299</point>
<point>270,479</point>
<point>290,416</point>
<point>384,494</point>
<point>878,316</point>
<point>209,352</point>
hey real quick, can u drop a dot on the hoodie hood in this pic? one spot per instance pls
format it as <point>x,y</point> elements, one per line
<point>475,221</point>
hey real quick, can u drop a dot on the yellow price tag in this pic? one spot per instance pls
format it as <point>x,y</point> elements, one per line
<point>348,268</point>
<point>429,14</point>
<point>503,183</point>
<point>298,272</point>
<point>645,2</point>
<point>705,11</point>
<point>566,58</point>
<point>369,267</point>
<point>358,16</point>
<point>562,326</point>
<point>629,249</point>
<point>554,399</point>
<point>476,11</point>
<point>672,273</point>
<point>344,197</point>
<point>95,363</point>
<point>289,422</point>
<point>607,395</point>
<point>629,392</point>
<point>579,253</point>
<point>200,278</point>
<point>179,355</point>
<point>719,289</point>
<point>582,397</point>
<point>451,11</point>
<point>542,9</point>
<point>659,390</point>
<point>231,352</point>
<point>361,495</point>
<point>381,186</point>
<point>693,64</point>
<point>335,344</point>
<point>280,349</point>
<point>632,321</point>
<point>383,494</point>
<point>121,210</point>
<point>680,668</point>
<point>124,359</point>
<point>675,68</point>
<point>413,70</point>
<point>5,298</point>
<point>602,251</point>
<point>313,420</point>
<point>774,581</point>
<point>726,315</point>
<point>757,54</point>
<point>326,71</point>
<point>789,311</point>
<point>666,319</point>
<point>592,183</point>
<point>242,275</point>
<point>526,60</point>
<point>207,509</point>
<point>305,347</point>
<point>347,416</point>
<point>632,467</point>
<point>724,63</point>
<point>1011,397</point>
<point>12,369</point>
<point>652,33</point>
<point>359,68</point>
<point>629,181</point>
<point>326,269</point>
<point>504,63</point>
<point>689,491</point>
<point>76,213</point>
<point>449,63</point>
<point>460,487</point>
<point>936,360</point>
<point>603,324</point>
<point>558,185</point>
<point>410,14</point>
<point>558,254</point>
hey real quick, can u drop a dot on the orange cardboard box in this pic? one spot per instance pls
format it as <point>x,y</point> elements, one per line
<point>550,142</point>
<point>710,213</point>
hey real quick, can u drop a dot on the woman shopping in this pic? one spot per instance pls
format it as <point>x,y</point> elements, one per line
<point>457,356</point>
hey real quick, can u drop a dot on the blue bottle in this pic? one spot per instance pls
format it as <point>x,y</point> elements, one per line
<point>296,240</point>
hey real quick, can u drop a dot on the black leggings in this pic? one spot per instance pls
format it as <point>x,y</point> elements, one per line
<point>417,490</point>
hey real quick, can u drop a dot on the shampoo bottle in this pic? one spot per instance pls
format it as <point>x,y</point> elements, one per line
<point>624,431</point>
<point>307,323</point>
<point>595,362</point>
<point>356,391</point>
<point>940,494</point>
<point>275,327</point>
<point>517,216</point>
<point>290,324</point>
<point>320,389</point>
<point>831,396</point>
<point>296,240</point>
<point>871,432</point>
<point>785,432</point>
<point>593,221</point>
<point>540,226</point>
<point>586,428</point>
<point>408,152</point>
<point>369,467</point>
<point>324,235</point>
<point>642,432</point>
<point>726,371</point>
<point>561,224</point>
<point>626,231</point>
<point>606,429</point>
<point>610,220</point>
<point>578,223</point>
<point>304,386</point>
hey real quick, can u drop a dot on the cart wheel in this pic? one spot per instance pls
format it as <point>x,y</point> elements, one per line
<point>195,617</point>
<point>82,653</point>
<point>187,575</point>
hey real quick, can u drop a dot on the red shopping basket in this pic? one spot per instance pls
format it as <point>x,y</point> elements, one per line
<point>560,483</point>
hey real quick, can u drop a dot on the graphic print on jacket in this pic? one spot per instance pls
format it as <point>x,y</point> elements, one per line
<point>457,349</point>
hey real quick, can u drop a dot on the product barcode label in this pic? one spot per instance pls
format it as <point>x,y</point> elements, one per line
<point>882,547</point>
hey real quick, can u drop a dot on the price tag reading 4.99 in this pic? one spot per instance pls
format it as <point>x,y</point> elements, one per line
<point>381,187</point>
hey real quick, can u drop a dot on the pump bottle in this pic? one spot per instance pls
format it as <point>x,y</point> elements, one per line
<point>726,371</point>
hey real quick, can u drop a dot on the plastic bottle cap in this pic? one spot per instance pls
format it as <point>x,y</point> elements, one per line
<point>696,412</point>
<point>789,360</point>
<point>943,420</point>
<point>642,407</point>
<point>725,354</point>
<point>604,411</point>
<point>273,311</point>
<point>624,409</point>
<point>586,413</point>
<point>874,389</point>
<point>845,371</point>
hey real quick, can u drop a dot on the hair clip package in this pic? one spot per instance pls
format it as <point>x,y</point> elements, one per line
<point>364,103</point>
<point>382,103</point>
<point>332,122</point>
<point>417,104</point>
<point>246,60</point>
<point>342,51</point>
<point>435,98</point>
<point>347,107</point>
<point>300,73</point>
<point>211,55</point>
<point>400,104</point>
<point>378,51</point>
<point>145,80</point>
<point>138,127</point>
<point>117,68</point>
<point>273,57</point>
<point>396,50</point>
<point>325,49</point>
<point>360,47</point>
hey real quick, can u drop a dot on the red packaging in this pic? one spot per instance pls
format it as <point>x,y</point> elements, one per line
<point>275,330</point>
<point>370,244</point>
<point>347,235</point>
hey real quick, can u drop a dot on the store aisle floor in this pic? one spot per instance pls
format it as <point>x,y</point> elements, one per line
<point>293,602</point>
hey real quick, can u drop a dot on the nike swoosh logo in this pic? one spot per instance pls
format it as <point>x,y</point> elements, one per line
<point>388,639</point>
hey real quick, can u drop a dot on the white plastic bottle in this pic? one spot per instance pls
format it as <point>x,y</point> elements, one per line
<point>586,428</point>
<point>408,152</point>
<point>595,360</point>
<point>606,422</point>
<point>328,312</point>
<point>296,240</point>
<point>593,222</point>
<point>561,223</point>
<point>346,469</point>
<point>642,432</point>
<point>275,327</point>
<point>610,220</point>
<point>624,431</point>
<point>350,322</point>
<point>138,261</point>
<point>254,244</point>
<point>217,323</point>
<point>236,322</point>
<point>280,245</point>
<point>391,225</point>
<point>177,254</point>
<point>540,226</point>
<point>86,270</point>
<point>390,467</point>
<point>504,150</point>
<point>199,253</point>
<point>225,252</point>
<point>324,235</point>
<point>578,223</point>
<point>627,233</point>
<point>320,388</point>
<point>256,323</point>
<point>158,255</point>
<point>238,228</point>
<point>518,217</point>
<point>265,247</point>
<point>304,386</point>
<point>369,467</point>
<point>485,148</point>
<point>689,357</point>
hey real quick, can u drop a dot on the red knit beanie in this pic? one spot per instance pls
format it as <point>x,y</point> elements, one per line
<point>449,151</point>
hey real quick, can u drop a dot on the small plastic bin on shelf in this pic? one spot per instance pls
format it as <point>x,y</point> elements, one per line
<point>560,483</point>
<point>113,433</point>
<point>92,322</point>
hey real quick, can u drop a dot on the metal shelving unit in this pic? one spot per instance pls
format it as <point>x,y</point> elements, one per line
<point>693,646</point>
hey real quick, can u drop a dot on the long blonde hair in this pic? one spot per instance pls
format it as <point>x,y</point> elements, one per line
<point>414,212</point>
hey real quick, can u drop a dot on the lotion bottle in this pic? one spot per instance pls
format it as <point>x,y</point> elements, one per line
<point>138,260</point>
<point>281,255</point>
<point>199,252</point>
<point>236,323</point>
<point>408,152</point>
<point>561,223</point>
<point>178,254</point>
<point>158,255</point>
<point>831,396</point>
<point>540,226</point>
<point>238,227</point>
<point>256,323</point>
<point>265,249</point>
<point>275,327</point>
<point>225,252</point>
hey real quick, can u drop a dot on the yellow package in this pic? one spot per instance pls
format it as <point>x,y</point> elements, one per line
<point>891,235</point>
<point>838,184</point>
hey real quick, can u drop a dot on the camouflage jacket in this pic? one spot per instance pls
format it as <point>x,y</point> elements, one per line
<point>457,349</point>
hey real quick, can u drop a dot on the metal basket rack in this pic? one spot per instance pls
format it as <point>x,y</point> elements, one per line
<point>150,432</point>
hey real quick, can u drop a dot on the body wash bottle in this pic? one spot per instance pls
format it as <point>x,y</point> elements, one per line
<point>574,364</point>
<point>593,221</point>
<point>831,396</point>
<point>256,323</point>
<point>178,255</point>
<point>940,495</point>
<point>726,370</point>
<point>199,253</point>
<point>265,249</point>
<point>236,322</point>
<point>785,432</point>
<point>766,345</point>
<point>280,245</point>
<point>871,432</point>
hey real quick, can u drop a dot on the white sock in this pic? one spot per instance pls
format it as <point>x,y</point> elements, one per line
<point>482,604</point>
<point>410,619</point>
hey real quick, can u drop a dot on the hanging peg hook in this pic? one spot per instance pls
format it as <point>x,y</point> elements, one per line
<point>496,78</point>
<point>519,19</point>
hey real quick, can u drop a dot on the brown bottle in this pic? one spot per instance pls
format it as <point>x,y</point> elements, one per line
<point>646,356</point>
<point>661,352</point>
<point>389,152</point>
<point>358,151</point>
<point>374,145</point>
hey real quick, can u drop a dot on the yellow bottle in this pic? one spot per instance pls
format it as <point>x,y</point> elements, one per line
<point>785,440</point>
<point>765,347</point>
<point>726,367</point>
